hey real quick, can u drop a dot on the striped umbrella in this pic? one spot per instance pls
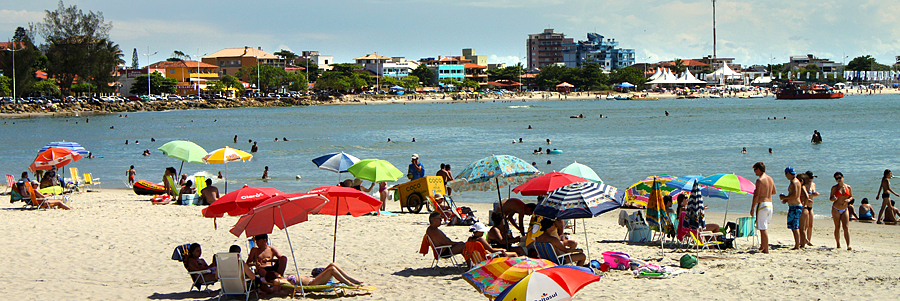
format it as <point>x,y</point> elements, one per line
<point>686,184</point>
<point>225,155</point>
<point>553,283</point>
<point>493,276</point>
<point>730,182</point>
<point>580,200</point>
<point>656,213</point>
<point>335,162</point>
<point>493,172</point>
<point>67,145</point>
<point>694,212</point>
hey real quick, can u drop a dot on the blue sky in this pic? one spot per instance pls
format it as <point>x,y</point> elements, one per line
<point>753,32</point>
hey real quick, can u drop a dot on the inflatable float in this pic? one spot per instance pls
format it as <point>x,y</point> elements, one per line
<point>555,151</point>
<point>143,187</point>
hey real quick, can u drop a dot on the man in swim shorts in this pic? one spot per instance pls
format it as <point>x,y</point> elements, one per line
<point>762,204</point>
<point>795,208</point>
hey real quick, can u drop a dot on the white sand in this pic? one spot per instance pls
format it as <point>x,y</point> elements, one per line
<point>115,245</point>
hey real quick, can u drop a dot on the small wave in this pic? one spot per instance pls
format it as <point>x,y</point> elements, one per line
<point>519,107</point>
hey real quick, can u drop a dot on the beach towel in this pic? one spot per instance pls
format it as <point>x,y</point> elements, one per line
<point>180,252</point>
<point>423,249</point>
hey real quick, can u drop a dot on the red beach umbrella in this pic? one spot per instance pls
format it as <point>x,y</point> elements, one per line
<point>240,201</point>
<point>343,201</point>
<point>53,156</point>
<point>546,183</point>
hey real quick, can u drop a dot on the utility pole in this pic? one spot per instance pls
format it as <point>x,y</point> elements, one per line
<point>148,54</point>
<point>14,69</point>
<point>714,28</point>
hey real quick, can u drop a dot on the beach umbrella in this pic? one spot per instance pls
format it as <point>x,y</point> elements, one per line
<point>542,184</point>
<point>492,173</point>
<point>694,212</point>
<point>686,184</point>
<point>656,212</point>
<point>583,171</point>
<point>185,151</point>
<point>580,200</point>
<point>492,277</point>
<point>553,283</point>
<point>240,201</point>
<point>639,192</point>
<point>375,170</point>
<point>730,182</point>
<point>225,155</point>
<point>335,162</point>
<point>53,157</point>
<point>625,85</point>
<point>282,212</point>
<point>67,145</point>
<point>343,201</point>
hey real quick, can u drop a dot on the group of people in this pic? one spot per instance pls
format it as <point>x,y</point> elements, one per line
<point>185,188</point>
<point>265,265</point>
<point>801,192</point>
<point>25,186</point>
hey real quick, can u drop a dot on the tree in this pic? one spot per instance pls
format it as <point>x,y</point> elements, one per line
<point>82,88</point>
<point>551,76</point>
<point>285,54</point>
<point>229,81</point>
<point>106,57</point>
<point>390,82</point>
<point>424,74</point>
<point>73,36</point>
<point>678,66</point>
<point>216,86</point>
<point>26,61</point>
<point>5,84</point>
<point>628,74</point>
<point>158,85</point>
<point>506,73</point>
<point>469,83</point>
<point>268,77</point>
<point>411,82</point>
<point>312,69</point>
<point>866,63</point>
<point>45,87</point>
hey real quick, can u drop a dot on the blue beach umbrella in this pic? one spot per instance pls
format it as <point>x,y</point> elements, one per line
<point>335,162</point>
<point>686,183</point>
<point>74,146</point>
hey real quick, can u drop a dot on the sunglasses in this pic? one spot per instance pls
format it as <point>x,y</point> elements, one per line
<point>838,178</point>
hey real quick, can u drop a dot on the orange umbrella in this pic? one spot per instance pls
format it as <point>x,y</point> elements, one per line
<point>53,157</point>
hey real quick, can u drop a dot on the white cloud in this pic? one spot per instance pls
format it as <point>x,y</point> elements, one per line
<point>508,60</point>
<point>20,17</point>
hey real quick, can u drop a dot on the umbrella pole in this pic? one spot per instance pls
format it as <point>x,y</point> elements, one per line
<point>505,221</point>
<point>334,245</point>
<point>296,269</point>
<point>179,170</point>
<point>586,242</point>
<point>725,221</point>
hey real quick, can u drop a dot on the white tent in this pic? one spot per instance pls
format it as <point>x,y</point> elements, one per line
<point>655,75</point>
<point>724,72</point>
<point>762,80</point>
<point>665,78</point>
<point>688,78</point>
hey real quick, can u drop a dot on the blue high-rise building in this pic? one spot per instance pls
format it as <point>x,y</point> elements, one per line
<point>598,50</point>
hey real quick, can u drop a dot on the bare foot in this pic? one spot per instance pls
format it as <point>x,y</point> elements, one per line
<point>849,249</point>
<point>809,244</point>
<point>795,248</point>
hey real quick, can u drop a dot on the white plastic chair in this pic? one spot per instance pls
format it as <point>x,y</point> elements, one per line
<point>230,269</point>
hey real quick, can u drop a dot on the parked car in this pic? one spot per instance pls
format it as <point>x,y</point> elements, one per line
<point>133,98</point>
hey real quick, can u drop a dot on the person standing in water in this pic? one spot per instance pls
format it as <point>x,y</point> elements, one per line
<point>131,173</point>
<point>885,191</point>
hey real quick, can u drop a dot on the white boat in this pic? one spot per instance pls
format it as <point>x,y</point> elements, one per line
<point>714,96</point>
<point>756,96</point>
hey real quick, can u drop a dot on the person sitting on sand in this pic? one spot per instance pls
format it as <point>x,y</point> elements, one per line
<point>550,226</point>
<point>49,178</point>
<point>512,207</point>
<point>499,235</point>
<point>891,214</point>
<point>438,238</point>
<point>187,189</point>
<point>269,263</point>
<point>866,212</point>
<point>209,194</point>
<point>478,230</point>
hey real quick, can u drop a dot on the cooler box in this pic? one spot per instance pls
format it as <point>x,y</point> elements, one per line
<point>617,260</point>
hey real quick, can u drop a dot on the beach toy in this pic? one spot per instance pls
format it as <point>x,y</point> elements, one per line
<point>144,187</point>
<point>556,151</point>
<point>617,260</point>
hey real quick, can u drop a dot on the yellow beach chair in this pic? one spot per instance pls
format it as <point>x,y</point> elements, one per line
<point>89,180</point>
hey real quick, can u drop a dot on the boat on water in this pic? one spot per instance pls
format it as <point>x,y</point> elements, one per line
<point>801,90</point>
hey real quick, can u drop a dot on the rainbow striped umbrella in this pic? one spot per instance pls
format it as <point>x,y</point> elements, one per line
<point>493,276</point>
<point>225,155</point>
<point>730,182</point>
<point>554,283</point>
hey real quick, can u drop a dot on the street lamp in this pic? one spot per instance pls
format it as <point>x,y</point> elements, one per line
<point>14,70</point>
<point>198,70</point>
<point>148,54</point>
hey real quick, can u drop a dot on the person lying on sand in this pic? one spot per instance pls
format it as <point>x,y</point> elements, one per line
<point>320,276</point>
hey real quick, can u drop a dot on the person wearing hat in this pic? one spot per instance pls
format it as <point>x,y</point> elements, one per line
<point>439,199</point>
<point>357,184</point>
<point>795,207</point>
<point>415,170</point>
<point>478,230</point>
<point>810,188</point>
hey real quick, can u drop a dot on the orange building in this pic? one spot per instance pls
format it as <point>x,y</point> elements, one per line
<point>189,74</point>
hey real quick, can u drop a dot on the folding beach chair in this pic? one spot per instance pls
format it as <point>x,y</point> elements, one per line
<point>545,250</point>
<point>230,269</point>
<point>197,278</point>
<point>35,202</point>
<point>442,252</point>
<point>89,180</point>
<point>475,253</point>
<point>447,214</point>
<point>76,181</point>
<point>700,243</point>
<point>745,227</point>
<point>10,181</point>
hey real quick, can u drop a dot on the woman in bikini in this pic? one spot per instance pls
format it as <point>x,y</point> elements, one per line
<point>810,188</point>
<point>806,202</point>
<point>841,194</point>
<point>885,191</point>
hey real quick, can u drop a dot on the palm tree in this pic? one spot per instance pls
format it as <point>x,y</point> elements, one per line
<point>678,66</point>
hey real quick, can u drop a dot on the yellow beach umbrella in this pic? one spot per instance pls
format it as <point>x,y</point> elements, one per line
<point>225,155</point>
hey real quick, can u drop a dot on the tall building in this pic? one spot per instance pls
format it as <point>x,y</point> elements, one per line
<point>546,48</point>
<point>469,54</point>
<point>597,50</point>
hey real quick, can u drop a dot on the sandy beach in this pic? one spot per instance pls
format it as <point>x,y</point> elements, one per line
<point>116,245</point>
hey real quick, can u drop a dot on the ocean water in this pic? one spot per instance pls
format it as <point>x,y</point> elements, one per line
<point>632,140</point>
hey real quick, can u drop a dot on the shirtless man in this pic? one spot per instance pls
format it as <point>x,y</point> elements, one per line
<point>511,207</point>
<point>762,204</point>
<point>269,263</point>
<point>795,207</point>
<point>438,237</point>
<point>209,194</point>
<point>891,213</point>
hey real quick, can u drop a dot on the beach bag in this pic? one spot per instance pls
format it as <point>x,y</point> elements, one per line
<point>688,261</point>
<point>617,260</point>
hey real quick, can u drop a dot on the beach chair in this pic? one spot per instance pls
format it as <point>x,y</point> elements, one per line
<point>701,243</point>
<point>197,278</point>
<point>10,181</point>
<point>76,181</point>
<point>443,252</point>
<point>446,214</point>
<point>746,227</point>
<point>35,202</point>
<point>89,180</point>
<point>546,251</point>
<point>173,185</point>
<point>475,253</point>
<point>638,231</point>
<point>230,269</point>
<point>200,183</point>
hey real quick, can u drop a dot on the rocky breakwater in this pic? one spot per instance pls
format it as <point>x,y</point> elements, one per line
<point>135,106</point>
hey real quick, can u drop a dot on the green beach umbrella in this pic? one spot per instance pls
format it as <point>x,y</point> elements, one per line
<point>185,151</point>
<point>581,170</point>
<point>375,170</point>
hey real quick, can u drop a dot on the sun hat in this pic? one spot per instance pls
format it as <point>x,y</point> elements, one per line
<point>810,174</point>
<point>478,227</point>
<point>415,156</point>
<point>357,182</point>
<point>790,170</point>
<point>438,196</point>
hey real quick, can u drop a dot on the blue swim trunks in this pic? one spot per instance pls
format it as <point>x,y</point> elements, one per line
<point>793,219</point>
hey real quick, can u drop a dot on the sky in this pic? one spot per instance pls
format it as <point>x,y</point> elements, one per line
<point>752,32</point>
